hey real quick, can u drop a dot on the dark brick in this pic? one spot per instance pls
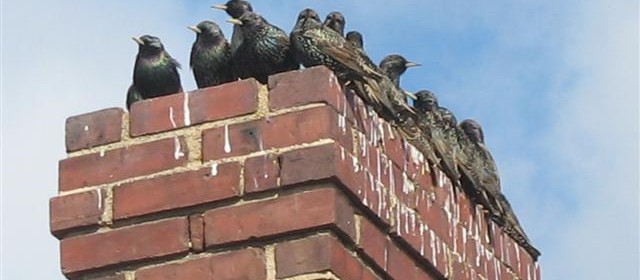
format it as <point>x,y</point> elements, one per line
<point>224,101</point>
<point>317,208</point>
<point>261,173</point>
<point>158,114</point>
<point>75,210</point>
<point>308,164</point>
<point>176,190</point>
<point>163,238</point>
<point>111,277</point>
<point>245,264</point>
<point>94,129</point>
<point>122,163</point>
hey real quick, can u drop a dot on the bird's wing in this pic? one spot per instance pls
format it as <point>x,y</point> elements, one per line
<point>334,46</point>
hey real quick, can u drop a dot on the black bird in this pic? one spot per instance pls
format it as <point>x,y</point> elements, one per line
<point>439,126</point>
<point>307,19</point>
<point>335,21</point>
<point>394,66</point>
<point>210,55</point>
<point>476,163</point>
<point>355,38</point>
<point>265,49</point>
<point>316,44</point>
<point>235,9</point>
<point>155,72</point>
<point>486,177</point>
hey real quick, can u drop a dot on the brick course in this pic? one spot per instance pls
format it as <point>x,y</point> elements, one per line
<point>245,181</point>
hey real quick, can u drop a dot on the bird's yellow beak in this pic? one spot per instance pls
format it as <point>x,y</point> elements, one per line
<point>234,21</point>
<point>220,7</point>
<point>138,40</point>
<point>195,29</point>
<point>412,64</point>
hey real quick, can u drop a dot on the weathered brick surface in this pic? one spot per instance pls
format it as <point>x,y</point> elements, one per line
<point>158,239</point>
<point>111,277</point>
<point>261,173</point>
<point>75,210</point>
<point>315,254</point>
<point>158,114</point>
<point>243,264</point>
<point>224,101</point>
<point>274,132</point>
<point>317,208</point>
<point>196,232</point>
<point>122,163</point>
<point>176,190</point>
<point>373,243</point>
<point>296,88</point>
<point>94,129</point>
<point>414,224</point>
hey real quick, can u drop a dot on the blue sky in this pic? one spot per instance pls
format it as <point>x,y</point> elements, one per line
<point>554,83</point>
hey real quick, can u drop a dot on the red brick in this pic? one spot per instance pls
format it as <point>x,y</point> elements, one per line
<point>373,243</point>
<point>232,140</point>
<point>176,190</point>
<point>158,114</point>
<point>323,207</point>
<point>315,254</point>
<point>122,163</point>
<point>308,164</point>
<point>243,264</point>
<point>75,210</point>
<point>301,127</point>
<point>399,264</point>
<point>111,277</point>
<point>297,88</point>
<point>422,275</point>
<point>460,271</point>
<point>196,232</point>
<point>367,274</point>
<point>261,173</point>
<point>159,239</point>
<point>93,129</point>
<point>224,101</point>
<point>274,132</point>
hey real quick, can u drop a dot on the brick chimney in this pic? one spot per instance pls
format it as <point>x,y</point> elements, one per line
<point>291,180</point>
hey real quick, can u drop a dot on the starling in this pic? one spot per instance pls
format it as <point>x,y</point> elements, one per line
<point>235,9</point>
<point>440,129</point>
<point>210,56</point>
<point>336,22</point>
<point>479,169</point>
<point>265,49</point>
<point>395,65</point>
<point>355,38</point>
<point>155,72</point>
<point>316,44</point>
<point>307,19</point>
<point>485,176</point>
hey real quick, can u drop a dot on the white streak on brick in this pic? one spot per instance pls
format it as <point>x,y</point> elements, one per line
<point>172,118</point>
<point>214,170</point>
<point>185,110</point>
<point>177,153</point>
<point>86,128</point>
<point>227,144</point>
<point>99,192</point>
